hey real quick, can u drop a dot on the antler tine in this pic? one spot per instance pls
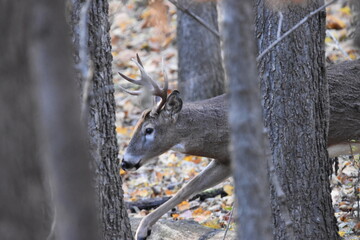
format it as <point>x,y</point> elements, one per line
<point>134,81</point>
<point>163,92</point>
<point>147,81</point>
<point>135,93</point>
<point>145,78</point>
<point>139,60</point>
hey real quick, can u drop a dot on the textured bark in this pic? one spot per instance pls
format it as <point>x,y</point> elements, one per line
<point>296,110</point>
<point>63,140</point>
<point>344,89</point>
<point>356,8</point>
<point>201,73</point>
<point>101,120</point>
<point>246,121</point>
<point>23,205</point>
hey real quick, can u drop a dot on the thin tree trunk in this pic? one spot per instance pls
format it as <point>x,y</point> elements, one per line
<point>248,139</point>
<point>23,205</point>
<point>356,8</point>
<point>201,74</point>
<point>101,121</point>
<point>34,50</point>
<point>296,110</point>
<point>63,143</point>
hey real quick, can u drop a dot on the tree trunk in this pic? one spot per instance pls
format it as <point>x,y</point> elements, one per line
<point>36,95</point>
<point>248,140</point>
<point>63,141</point>
<point>201,73</point>
<point>296,110</point>
<point>356,8</point>
<point>101,120</point>
<point>24,206</point>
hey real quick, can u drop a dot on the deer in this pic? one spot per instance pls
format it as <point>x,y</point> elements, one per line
<point>196,128</point>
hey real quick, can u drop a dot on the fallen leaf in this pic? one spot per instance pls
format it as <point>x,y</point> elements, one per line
<point>214,223</point>
<point>122,172</point>
<point>333,22</point>
<point>229,189</point>
<point>185,205</point>
<point>126,131</point>
<point>345,10</point>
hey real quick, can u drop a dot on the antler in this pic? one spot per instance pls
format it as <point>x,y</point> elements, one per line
<point>148,82</point>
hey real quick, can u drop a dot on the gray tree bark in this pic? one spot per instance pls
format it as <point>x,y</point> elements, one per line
<point>37,95</point>
<point>24,204</point>
<point>356,8</point>
<point>63,140</point>
<point>296,110</point>
<point>101,121</point>
<point>247,135</point>
<point>201,74</point>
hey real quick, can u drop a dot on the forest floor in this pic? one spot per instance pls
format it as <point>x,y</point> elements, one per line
<point>150,31</point>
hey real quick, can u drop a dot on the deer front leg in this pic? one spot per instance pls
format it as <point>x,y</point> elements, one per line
<point>213,174</point>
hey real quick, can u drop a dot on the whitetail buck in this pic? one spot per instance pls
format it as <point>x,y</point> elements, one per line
<point>200,128</point>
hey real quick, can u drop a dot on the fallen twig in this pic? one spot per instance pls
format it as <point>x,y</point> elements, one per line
<point>151,203</point>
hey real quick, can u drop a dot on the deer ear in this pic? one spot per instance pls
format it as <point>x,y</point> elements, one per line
<point>173,104</point>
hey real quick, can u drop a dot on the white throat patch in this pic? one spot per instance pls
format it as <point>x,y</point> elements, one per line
<point>179,148</point>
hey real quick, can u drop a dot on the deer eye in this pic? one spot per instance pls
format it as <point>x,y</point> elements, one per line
<point>149,131</point>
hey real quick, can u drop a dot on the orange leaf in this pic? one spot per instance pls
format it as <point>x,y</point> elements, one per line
<point>126,131</point>
<point>141,193</point>
<point>193,159</point>
<point>333,22</point>
<point>183,206</point>
<point>169,192</point>
<point>175,216</point>
<point>122,172</point>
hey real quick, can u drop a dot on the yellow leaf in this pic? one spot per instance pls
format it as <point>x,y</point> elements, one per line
<point>345,10</point>
<point>352,56</point>
<point>229,189</point>
<point>328,40</point>
<point>341,233</point>
<point>212,224</point>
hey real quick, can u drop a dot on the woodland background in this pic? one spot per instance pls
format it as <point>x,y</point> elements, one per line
<point>156,40</point>
<point>47,168</point>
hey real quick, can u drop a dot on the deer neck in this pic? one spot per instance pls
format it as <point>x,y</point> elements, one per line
<point>202,129</point>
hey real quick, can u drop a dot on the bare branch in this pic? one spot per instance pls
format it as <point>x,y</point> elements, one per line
<point>261,55</point>
<point>195,17</point>
<point>337,44</point>
<point>229,221</point>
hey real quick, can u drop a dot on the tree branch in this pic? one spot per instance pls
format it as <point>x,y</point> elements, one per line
<point>261,55</point>
<point>195,17</point>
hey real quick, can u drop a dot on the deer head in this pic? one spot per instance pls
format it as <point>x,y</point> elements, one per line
<point>153,132</point>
